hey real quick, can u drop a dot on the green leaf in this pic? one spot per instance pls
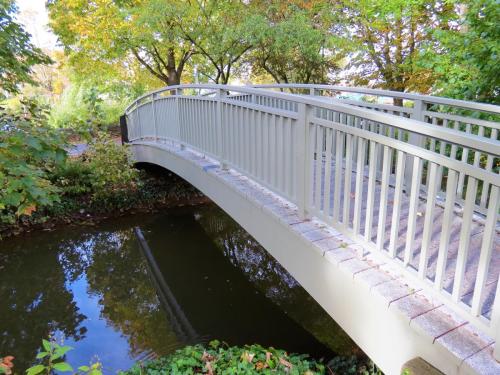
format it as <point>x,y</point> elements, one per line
<point>84,368</point>
<point>42,355</point>
<point>63,367</point>
<point>46,345</point>
<point>35,370</point>
<point>60,351</point>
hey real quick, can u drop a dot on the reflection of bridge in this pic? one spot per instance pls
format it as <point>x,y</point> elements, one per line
<point>387,215</point>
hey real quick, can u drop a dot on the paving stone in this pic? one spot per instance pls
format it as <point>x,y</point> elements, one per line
<point>437,322</point>
<point>317,234</point>
<point>373,277</point>
<point>327,244</point>
<point>355,265</point>
<point>464,341</point>
<point>413,305</point>
<point>483,362</point>
<point>303,227</point>
<point>393,290</point>
<point>339,255</point>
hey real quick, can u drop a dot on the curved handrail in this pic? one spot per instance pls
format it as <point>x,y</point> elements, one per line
<point>475,142</point>
<point>475,106</point>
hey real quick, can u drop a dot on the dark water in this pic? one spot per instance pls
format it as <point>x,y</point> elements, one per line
<point>92,288</point>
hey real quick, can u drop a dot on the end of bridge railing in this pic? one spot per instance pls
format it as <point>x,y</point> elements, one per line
<point>124,129</point>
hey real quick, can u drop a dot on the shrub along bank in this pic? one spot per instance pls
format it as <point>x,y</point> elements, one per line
<point>41,186</point>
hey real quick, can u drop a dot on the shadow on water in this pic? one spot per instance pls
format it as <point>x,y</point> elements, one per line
<point>94,288</point>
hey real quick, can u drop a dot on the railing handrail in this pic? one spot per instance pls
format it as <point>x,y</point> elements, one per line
<point>475,142</point>
<point>475,106</point>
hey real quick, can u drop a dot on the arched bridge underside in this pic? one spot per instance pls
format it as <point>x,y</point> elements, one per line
<point>386,215</point>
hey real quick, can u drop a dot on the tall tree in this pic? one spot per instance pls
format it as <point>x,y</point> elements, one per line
<point>295,41</point>
<point>387,37</point>
<point>108,33</point>
<point>17,54</point>
<point>216,29</point>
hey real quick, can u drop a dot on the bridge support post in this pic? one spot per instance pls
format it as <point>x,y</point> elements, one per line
<point>221,146</point>
<point>302,161</point>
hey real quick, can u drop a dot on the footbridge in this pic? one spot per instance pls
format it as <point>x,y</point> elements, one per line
<point>383,205</point>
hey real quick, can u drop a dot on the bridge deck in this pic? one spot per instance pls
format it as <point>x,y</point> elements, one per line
<point>476,235</point>
<point>446,333</point>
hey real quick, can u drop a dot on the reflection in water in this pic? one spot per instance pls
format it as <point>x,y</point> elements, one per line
<point>93,287</point>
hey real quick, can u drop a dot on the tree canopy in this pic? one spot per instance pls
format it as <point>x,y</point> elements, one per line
<point>17,54</point>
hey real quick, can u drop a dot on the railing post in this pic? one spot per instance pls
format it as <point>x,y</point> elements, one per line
<point>221,141</point>
<point>313,91</point>
<point>302,164</point>
<point>418,114</point>
<point>414,139</point>
<point>154,116</point>
<point>178,92</point>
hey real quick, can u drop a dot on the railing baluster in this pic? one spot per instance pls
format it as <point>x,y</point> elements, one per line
<point>398,194</point>
<point>370,200</point>
<point>319,167</point>
<point>444,240</point>
<point>412,214</point>
<point>428,220</point>
<point>338,175</point>
<point>328,170</point>
<point>486,251</point>
<point>347,180</point>
<point>382,214</point>
<point>464,242</point>
<point>358,199</point>
<point>303,159</point>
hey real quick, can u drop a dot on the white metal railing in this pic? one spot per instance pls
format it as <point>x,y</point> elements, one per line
<point>422,206</point>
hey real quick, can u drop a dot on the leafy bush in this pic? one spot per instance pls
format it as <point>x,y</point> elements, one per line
<point>219,359</point>
<point>29,152</point>
<point>82,107</point>
<point>110,164</point>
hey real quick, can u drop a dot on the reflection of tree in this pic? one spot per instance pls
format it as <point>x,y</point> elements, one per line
<point>118,274</point>
<point>265,272</point>
<point>34,300</point>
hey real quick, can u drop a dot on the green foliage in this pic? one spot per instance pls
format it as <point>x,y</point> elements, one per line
<point>29,152</point>
<point>104,172</point>
<point>51,361</point>
<point>385,39</point>
<point>111,166</point>
<point>294,44</point>
<point>222,359</point>
<point>467,62</point>
<point>352,366</point>
<point>17,54</point>
<point>82,107</point>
